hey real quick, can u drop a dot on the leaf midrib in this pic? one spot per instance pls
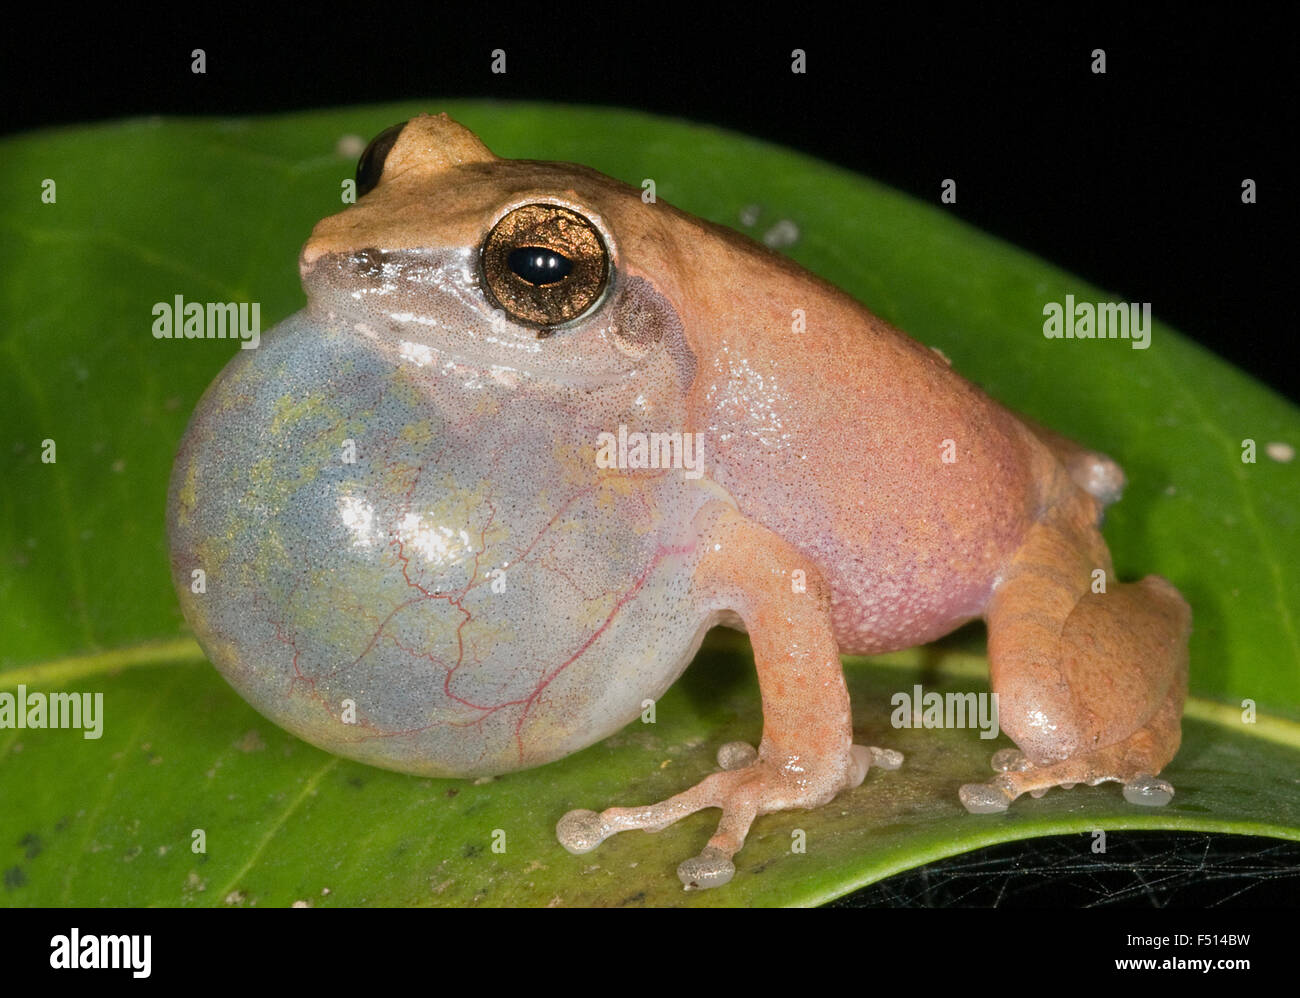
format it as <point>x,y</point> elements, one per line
<point>60,672</point>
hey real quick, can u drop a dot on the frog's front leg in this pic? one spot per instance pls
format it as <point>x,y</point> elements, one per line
<point>1090,679</point>
<point>806,755</point>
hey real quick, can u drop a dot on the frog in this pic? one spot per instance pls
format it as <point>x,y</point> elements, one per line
<point>535,434</point>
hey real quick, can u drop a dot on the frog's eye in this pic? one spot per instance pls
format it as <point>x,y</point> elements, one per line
<point>544,265</point>
<point>370,167</point>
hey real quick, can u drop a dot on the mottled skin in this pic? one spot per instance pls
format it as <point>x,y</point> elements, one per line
<point>470,593</point>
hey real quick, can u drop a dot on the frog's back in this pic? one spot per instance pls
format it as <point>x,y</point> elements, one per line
<point>909,486</point>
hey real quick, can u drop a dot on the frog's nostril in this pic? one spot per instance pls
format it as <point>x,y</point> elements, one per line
<point>367,262</point>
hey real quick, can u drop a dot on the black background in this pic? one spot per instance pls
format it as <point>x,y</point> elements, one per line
<point>1131,180</point>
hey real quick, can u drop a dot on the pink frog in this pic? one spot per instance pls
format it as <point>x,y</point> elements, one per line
<point>532,437</point>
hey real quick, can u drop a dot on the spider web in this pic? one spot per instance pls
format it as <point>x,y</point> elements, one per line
<point>1177,870</point>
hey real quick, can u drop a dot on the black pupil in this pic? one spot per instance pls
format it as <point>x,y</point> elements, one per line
<point>538,265</point>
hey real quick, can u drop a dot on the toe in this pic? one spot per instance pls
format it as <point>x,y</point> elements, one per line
<point>1009,760</point>
<point>711,868</point>
<point>984,798</point>
<point>1148,790</point>
<point>736,755</point>
<point>581,831</point>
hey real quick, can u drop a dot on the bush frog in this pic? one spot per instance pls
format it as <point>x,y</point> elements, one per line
<point>532,436</point>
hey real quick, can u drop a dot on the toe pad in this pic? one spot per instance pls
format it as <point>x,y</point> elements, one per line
<point>1150,791</point>
<point>983,798</point>
<point>581,831</point>
<point>711,868</point>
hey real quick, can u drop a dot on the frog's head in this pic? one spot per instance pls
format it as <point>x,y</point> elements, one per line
<point>545,268</point>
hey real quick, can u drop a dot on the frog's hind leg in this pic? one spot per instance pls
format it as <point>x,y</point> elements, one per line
<point>1090,673</point>
<point>1094,472</point>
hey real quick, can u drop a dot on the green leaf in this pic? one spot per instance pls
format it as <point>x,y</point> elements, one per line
<point>217,210</point>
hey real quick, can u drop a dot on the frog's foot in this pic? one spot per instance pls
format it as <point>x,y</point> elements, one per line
<point>1090,673</point>
<point>998,793</point>
<point>749,785</point>
<point>1134,762</point>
